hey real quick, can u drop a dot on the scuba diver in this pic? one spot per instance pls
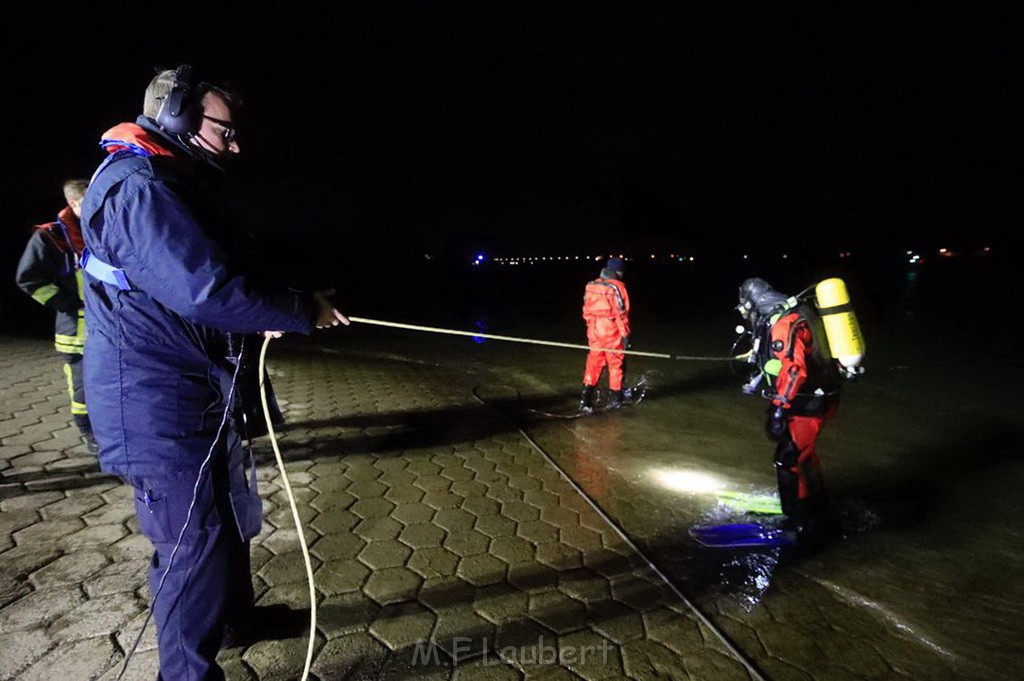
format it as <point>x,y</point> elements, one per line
<point>801,352</point>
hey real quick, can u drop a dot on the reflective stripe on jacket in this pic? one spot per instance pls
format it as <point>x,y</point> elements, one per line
<point>48,271</point>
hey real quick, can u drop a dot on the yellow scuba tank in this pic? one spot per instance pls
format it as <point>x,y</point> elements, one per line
<point>841,328</point>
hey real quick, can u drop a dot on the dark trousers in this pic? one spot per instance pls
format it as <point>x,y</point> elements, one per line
<point>209,583</point>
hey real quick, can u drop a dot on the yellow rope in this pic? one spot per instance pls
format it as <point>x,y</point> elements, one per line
<point>474,334</point>
<point>295,512</point>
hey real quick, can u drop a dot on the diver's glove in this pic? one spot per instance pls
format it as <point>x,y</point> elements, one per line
<point>625,342</point>
<point>776,426</point>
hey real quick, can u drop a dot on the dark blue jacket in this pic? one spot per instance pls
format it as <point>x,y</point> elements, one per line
<point>155,355</point>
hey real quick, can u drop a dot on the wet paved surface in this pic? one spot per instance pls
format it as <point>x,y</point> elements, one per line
<point>446,544</point>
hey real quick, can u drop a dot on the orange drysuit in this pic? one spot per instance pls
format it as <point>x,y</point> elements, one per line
<point>606,311</point>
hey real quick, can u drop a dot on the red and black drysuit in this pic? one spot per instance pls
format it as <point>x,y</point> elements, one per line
<point>804,382</point>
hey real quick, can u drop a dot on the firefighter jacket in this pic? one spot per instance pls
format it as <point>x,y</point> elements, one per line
<point>606,311</point>
<point>48,271</point>
<point>155,366</point>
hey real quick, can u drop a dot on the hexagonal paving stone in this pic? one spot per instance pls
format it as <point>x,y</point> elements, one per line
<point>337,547</point>
<point>468,488</point>
<point>457,472</point>
<point>402,625</point>
<point>286,568</point>
<point>495,526</point>
<point>440,500</point>
<point>640,594</point>
<point>444,593</point>
<point>392,585</point>
<point>376,507</point>
<point>34,535</point>
<point>330,484</point>
<point>466,542</point>
<point>453,519</point>
<point>73,568</point>
<point>102,615</point>
<point>341,576</point>
<point>480,506</point>
<point>92,537</point>
<point>413,513</point>
<point>404,494</point>
<point>559,556</point>
<point>462,633</point>
<point>355,656</point>
<point>520,511</point>
<point>607,563</point>
<point>616,621</point>
<point>366,489</point>
<point>422,535</point>
<point>332,501</point>
<point>345,614</point>
<point>41,607</point>
<point>482,569</point>
<point>520,643</point>
<point>584,584</point>
<point>559,516</point>
<point>501,603</point>
<point>282,540</point>
<point>423,468</point>
<point>512,550</point>
<point>580,538</point>
<point>334,521</point>
<point>501,492</point>
<point>591,656</point>
<point>117,577</point>
<point>363,471</point>
<point>432,483</point>
<point>432,562</point>
<point>532,577</point>
<point>378,528</point>
<point>384,554</point>
<point>538,532</point>
<point>558,612</point>
<point>72,507</point>
<point>647,659</point>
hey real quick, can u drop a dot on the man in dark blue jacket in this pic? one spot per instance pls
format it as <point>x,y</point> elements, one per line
<point>162,303</point>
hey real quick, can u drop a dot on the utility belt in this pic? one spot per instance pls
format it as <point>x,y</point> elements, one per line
<point>108,274</point>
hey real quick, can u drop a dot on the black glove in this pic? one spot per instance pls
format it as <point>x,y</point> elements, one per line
<point>776,427</point>
<point>625,342</point>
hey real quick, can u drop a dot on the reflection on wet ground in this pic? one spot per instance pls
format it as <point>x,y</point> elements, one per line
<point>923,464</point>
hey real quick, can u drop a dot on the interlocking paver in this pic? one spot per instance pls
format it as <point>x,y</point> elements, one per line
<point>435,529</point>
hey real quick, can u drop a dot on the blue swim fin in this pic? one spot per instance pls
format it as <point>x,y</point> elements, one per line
<point>741,534</point>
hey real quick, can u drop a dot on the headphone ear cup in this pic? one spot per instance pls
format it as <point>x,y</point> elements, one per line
<point>181,113</point>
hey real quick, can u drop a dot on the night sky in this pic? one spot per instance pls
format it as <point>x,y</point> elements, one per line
<point>539,128</point>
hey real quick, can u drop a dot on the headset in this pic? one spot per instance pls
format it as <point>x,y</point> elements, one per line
<point>181,113</point>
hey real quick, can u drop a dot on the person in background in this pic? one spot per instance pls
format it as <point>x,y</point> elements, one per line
<point>165,302</point>
<point>802,385</point>
<point>49,272</point>
<point>606,312</point>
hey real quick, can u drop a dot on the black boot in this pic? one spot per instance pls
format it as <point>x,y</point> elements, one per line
<point>587,399</point>
<point>615,401</point>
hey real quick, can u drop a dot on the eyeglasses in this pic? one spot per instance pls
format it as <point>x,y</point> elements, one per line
<point>227,133</point>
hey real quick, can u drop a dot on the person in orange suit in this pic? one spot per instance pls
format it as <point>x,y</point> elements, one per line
<point>606,312</point>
